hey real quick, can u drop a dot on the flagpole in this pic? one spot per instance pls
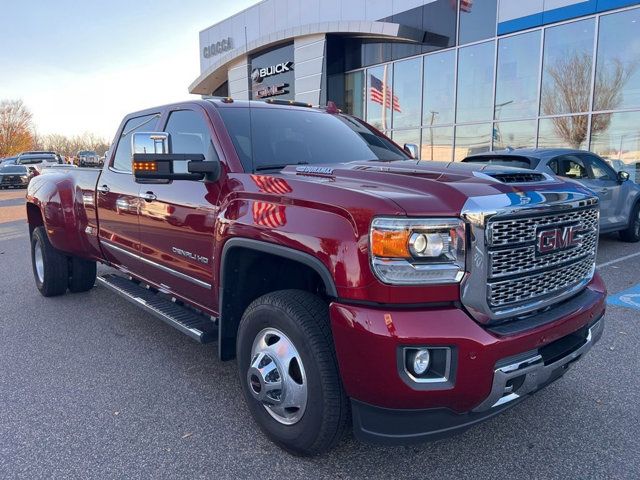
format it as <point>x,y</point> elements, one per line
<point>384,98</point>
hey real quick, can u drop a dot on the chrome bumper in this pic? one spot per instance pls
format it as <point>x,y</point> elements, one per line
<point>531,373</point>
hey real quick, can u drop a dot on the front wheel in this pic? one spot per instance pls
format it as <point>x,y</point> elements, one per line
<point>289,373</point>
<point>50,267</point>
<point>632,232</point>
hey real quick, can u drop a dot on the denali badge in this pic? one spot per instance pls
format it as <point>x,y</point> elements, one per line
<point>558,239</point>
<point>192,256</point>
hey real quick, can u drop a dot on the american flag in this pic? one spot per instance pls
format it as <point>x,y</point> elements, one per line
<point>271,184</point>
<point>269,215</point>
<point>377,93</point>
<point>466,5</point>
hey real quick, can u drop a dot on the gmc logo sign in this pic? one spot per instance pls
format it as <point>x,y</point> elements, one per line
<point>561,238</point>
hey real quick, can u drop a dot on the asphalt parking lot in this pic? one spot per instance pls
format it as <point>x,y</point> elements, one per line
<point>92,387</point>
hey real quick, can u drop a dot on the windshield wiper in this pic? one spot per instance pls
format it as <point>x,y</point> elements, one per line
<point>277,167</point>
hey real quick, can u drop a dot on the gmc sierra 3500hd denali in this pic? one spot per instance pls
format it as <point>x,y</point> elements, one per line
<point>348,280</point>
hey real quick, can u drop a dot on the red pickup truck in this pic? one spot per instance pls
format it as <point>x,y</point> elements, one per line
<point>351,283</point>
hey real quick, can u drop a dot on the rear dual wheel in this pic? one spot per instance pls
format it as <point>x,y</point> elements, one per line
<point>289,373</point>
<point>55,272</point>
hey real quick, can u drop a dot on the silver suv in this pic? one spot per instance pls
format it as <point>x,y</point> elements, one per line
<point>619,196</point>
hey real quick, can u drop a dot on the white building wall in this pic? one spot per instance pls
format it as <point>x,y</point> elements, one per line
<point>309,68</point>
<point>239,78</point>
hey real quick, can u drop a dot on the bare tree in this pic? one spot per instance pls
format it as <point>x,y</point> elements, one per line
<point>70,146</point>
<point>569,91</point>
<point>16,128</point>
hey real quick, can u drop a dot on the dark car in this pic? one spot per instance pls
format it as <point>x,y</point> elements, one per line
<point>15,176</point>
<point>619,196</point>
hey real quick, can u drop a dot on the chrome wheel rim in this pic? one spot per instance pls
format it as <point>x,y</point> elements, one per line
<point>276,376</point>
<point>39,262</point>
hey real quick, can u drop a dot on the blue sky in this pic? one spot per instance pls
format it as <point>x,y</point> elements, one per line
<point>80,66</point>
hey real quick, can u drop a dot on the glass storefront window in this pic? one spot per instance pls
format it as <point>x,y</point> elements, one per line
<point>401,137</point>
<point>616,138</point>
<point>437,144</point>
<point>517,77</point>
<point>439,88</point>
<point>472,139</point>
<point>407,89</point>
<point>520,134</point>
<point>618,62</point>
<point>477,20</point>
<point>475,83</point>
<point>354,94</point>
<point>380,98</point>
<point>439,20</point>
<point>567,68</point>
<point>563,132</point>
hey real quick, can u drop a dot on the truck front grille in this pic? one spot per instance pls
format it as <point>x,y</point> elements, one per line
<point>518,273</point>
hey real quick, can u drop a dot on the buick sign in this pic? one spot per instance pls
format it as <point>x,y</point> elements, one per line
<point>217,48</point>
<point>259,74</point>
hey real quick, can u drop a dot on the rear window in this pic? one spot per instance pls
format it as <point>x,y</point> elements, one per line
<point>35,160</point>
<point>520,162</point>
<point>276,137</point>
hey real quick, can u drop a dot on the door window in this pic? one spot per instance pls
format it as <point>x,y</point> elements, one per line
<point>571,166</point>
<point>189,133</point>
<point>122,158</point>
<point>599,170</point>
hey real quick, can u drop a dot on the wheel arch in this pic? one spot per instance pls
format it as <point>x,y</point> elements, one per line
<point>279,267</point>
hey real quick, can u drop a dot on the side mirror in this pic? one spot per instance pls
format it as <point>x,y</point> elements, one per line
<point>413,150</point>
<point>623,176</point>
<point>152,160</point>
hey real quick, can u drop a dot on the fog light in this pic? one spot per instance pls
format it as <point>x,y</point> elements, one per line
<point>421,361</point>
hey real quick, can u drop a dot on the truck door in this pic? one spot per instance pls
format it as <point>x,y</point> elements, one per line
<point>118,200</point>
<point>177,219</point>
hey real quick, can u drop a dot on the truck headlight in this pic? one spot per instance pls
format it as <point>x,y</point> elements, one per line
<point>408,251</point>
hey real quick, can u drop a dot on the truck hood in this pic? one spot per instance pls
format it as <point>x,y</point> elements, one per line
<point>425,188</point>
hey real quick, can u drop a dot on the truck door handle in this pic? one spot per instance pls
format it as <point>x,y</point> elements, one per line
<point>103,189</point>
<point>148,196</point>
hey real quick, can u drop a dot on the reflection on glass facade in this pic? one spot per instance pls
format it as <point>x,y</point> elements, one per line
<point>407,88</point>
<point>471,139</point>
<point>477,20</point>
<point>564,132</point>
<point>567,68</point>
<point>618,62</point>
<point>516,102</point>
<point>380,98</point>
<point>475,83</point>
<point>402,137</point>
<point>517,77</point>
<point>616,138</point>
<point>354,94</point>
<point>439,88</point>
<point>437,144</point>
<point>518,134</point>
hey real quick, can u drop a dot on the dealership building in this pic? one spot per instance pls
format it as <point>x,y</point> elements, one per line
<point>454,76</point>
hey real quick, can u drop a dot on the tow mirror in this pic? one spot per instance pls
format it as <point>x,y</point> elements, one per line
<point>152,160</point>
<point>623,176</point>
<point>413,150</point>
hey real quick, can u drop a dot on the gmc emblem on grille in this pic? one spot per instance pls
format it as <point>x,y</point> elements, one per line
<point>559,238</point>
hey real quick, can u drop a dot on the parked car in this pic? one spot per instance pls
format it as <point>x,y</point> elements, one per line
<point>619,196</point>
<point>37,160</point>
<point>348,280</point>
<point>8,161</point>
<point>88,158</point>
<point>45,152</point>
<point>17,176</point>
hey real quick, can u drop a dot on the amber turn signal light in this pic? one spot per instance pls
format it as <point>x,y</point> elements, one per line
<point>145,166</point>
<point>390,244</point>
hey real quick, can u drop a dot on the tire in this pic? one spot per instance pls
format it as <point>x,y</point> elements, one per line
<point>303,320</point>
<point>50,267</point>
<point>632,233</point>
<point>82,275</point>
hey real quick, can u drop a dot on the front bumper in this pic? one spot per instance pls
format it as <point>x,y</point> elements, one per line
<point>492,368</point>
<point>397,426</point>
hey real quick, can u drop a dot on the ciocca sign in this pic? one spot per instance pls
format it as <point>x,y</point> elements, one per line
<point>217,48</point>
<point>259,74</point>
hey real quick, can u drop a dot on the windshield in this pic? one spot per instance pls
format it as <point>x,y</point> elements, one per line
<point>520,162</point>
<point>34,160</point>
<point>13,169</point>
<point>86,153</point>
<point>275,137</point>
